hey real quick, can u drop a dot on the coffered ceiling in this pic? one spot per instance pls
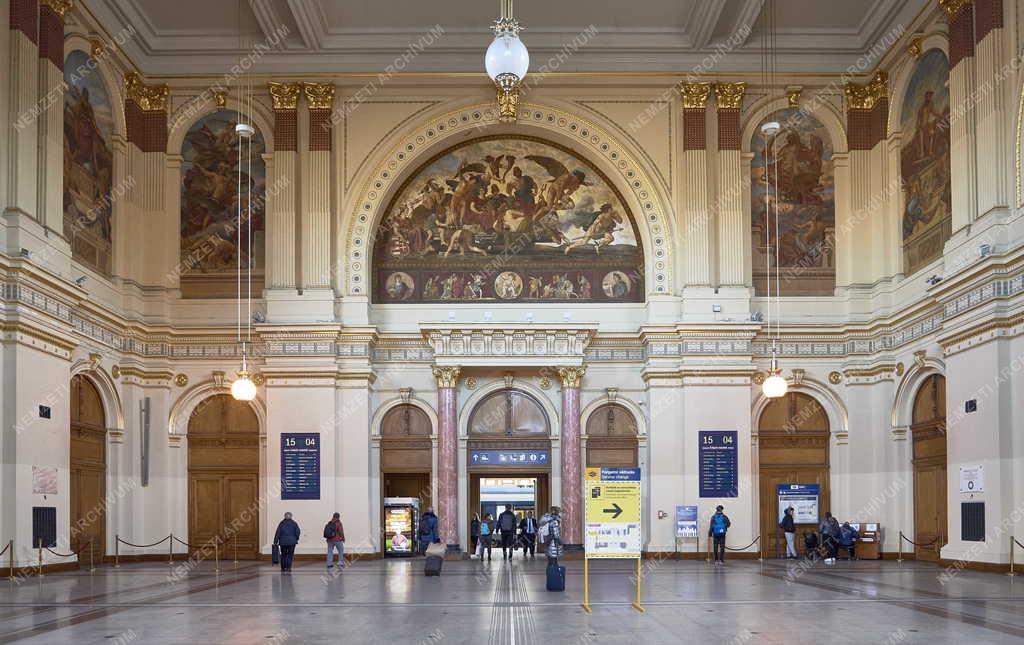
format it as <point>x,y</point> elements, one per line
<point>323,36</point>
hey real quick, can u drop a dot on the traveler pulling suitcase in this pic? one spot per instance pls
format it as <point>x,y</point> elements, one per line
<point>435,558</point>
<point>556,577</point>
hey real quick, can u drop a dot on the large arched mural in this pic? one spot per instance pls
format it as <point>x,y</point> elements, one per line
<point>794,170</point>
<point>88,162</point>
<point>210,245</point>
<point>925,163</point>
<point>507,218</point>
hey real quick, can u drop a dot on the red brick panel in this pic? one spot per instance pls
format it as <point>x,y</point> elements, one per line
<point>859,129</point>
<point>25,18</point>
<point>694,133</point>
<point>146,129</point>
<point>286,137</point>
<point>728,128</point>
<point>320,129</point>
<point>51,36</point>
<point>879,121</point>
<point>988,15</point>
<point>961,35</point>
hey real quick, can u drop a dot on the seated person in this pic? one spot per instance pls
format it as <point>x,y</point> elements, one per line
<point>848,539</point>
<point>811,545</point>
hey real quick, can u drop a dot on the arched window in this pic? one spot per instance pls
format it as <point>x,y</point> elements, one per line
<point>508,413</point>
<point>612,437</point>
<point>405,421</point>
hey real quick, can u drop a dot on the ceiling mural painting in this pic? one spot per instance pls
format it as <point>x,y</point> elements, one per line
<point>508,219</point>
<point>793,171</point>
<point>925,162</point>
<point>88,162</point>
<point>210,245</point>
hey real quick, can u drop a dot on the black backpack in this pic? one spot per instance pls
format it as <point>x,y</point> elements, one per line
<point>329,531</point>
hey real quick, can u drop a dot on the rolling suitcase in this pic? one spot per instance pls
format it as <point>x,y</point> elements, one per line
<point>435,558</point>
<point>556,577</point>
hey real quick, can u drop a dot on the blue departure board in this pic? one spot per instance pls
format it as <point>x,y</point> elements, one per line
<point>300,465</point>
<point>718,457</point>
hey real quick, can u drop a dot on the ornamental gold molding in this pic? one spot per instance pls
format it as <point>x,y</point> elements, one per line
<point>571,376</point>
<point>695,95</point>
<point>914,48</point>
<point>220,99</point>
<point>285,96</point>
<point>151,98</point>
<point>94,361</point>
<point>447,377</point>
<point>60,7</point>
<point>793,95</point>
<point>953,7</point>
<point>864,97</point>
<point>730,95</point>
<point>835,378</point>
<point>508,104</point>
<point>319,95</point>
<point>96,48</point>
<point>180,380</point>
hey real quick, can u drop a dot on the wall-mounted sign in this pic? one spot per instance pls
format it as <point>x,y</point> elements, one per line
<point>613,513</point>
<point>44,480</point>
<point>972,479</point>
<point>718,457</point>
<point>686,521</point>
<point>804,500</point>
<point>508,458</point>
<point>300,465</point>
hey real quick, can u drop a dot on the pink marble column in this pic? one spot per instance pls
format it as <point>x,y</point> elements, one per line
<point>447,456</point>
<point>572,468</point>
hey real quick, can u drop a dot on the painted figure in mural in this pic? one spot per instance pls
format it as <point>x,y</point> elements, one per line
<point>88,162</point>
<point>925,161</point>
<point>504,204</point>
<point>209,195</point>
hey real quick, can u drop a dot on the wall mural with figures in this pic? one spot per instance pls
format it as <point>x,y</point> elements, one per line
<point>88,163</point>
<point>794,170</point>
<point>209,188</point>
<point>925,162</point>
<point>507,219</point>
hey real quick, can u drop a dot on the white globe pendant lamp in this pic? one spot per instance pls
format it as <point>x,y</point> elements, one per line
<point>507,59</point>
<point>243,389</point>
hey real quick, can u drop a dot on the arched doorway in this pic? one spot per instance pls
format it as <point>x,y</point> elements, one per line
<point>793,434</point>
<point>612,437</point>
<point>88,469</point>
<point>223,475</point>
<point>928,428</point>
<point>406,457</point>
<point>511,429</point>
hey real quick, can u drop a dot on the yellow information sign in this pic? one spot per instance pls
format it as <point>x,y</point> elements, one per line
<point>613,513</point>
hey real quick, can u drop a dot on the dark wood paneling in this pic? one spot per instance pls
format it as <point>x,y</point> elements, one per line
<point>929,460</point>
<point>87,469</point>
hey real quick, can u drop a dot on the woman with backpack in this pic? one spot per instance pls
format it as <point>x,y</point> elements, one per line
<point>486,528</point>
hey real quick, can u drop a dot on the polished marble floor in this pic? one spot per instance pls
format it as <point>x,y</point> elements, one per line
<point>505,603</point>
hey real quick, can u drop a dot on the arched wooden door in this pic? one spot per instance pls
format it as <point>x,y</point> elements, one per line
<point>612,437</point>
<point>793,434</point>
<point>406,457</point>
<point>88,469</point>
<point>223,476</point>
<point>929,458</point>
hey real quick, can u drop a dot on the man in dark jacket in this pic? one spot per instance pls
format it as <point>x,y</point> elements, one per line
<point>717,529</point>
<point>788,526</point>
<point>507,526</point>
<point>528,530</point>
<point>848,539</point>
<point>829,530</point>
<point>334,533</point>
<point>286,537</point>
<point>428,529</point>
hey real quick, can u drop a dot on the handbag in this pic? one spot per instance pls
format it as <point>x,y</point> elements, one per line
<point>275,554</point>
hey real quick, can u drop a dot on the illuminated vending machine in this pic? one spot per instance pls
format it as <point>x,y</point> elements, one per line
<point>401,525</point>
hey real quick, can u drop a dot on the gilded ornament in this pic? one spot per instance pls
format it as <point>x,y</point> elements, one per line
<point>180,380</point>
<point>545,383</point>
<point>834,378</point>
<point>150,98</point>
<point>319,95</point>
<point>695,95</point>
<point>793,95</point>
<point>508,104</point>
<point>60,7</point>
<point>571,376</point>
<point>953,7</point>
<point>864,97</point>
<point>285,96</point>
<point>730,95</point>
<point>115,371</point>
<point>446,376</point>
<point>220,99</point>
<point>899,369</point>
<point>914,48</point>
<point>471,383</point>
<point>258,379</point>
<point>96,48</point>
<point>218,378</point>
<point>758,377</point>
<point>94,361</point>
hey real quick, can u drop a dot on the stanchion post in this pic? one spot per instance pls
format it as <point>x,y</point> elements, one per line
<point>899,549</point>
<point>1013,541</point>
<point>760,549</point>
<point>234,546</point>
<point>170,549</point>
<point>40,557</point>
<point>216,555</point>
<point>586,584</point>
<point>10,545</point>
<point>636,604</point>
<point>117,551</point>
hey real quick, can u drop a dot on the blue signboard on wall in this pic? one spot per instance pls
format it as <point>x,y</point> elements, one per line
<point>718,455</point>
<point>300,465</point>
<point>686,521</point>
<point>508,458</point>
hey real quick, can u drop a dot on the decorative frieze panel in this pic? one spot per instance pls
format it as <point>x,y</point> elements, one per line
<point>482,345</point>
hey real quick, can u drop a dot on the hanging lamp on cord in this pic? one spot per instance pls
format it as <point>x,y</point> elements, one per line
<point>243,389</point>
<point>775,386</point>
<point>507,59</point>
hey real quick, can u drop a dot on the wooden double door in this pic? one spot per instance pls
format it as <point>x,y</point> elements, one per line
<point>223,478</point>
<point>88,471</point>
<point>929,459</point>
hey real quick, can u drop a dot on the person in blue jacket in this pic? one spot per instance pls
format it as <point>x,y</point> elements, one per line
<point>717,529</point>
<point>286,537</point>
<point>848,539</point>
<point>428,529</point>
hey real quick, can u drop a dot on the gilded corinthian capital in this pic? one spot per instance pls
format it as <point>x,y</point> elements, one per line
<point>319,95</point>
<point>60,7</point>
<point>285,96</point>
<point>571,376</point>
<point>730,95</point>
<point>695,95</point>
<point>148,97</point>
<point>446,376</point>
<point>953,7</point>
<point>864,97</point>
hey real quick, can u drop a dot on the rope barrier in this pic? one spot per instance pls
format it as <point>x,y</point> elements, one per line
<point>932,543</point>
<point>142,546</point>
<point>1011,537</point>
<point>744,548</point>
<point>6,547</point>
<point>67,555</point>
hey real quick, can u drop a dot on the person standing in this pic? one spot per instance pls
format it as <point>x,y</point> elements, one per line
<point>286,537</point>
<point>428,529</point>
<point>474,532</point>
<point>829,530</point>
<point>788,526</point>
<point>550,533</point>
<point>717,529</point>
<point>507,526</point>
<point>528,529</point>
<point>334,533</point>
<point>486,529</point>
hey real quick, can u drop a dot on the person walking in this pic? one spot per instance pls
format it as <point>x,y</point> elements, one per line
<point>428,529</point>
<point>507,525</point>
<point>717,529</point>
<point>334,533</point>
<point>528,531</point>
<point>788,526</point>
<point>474,533</point>
<point>829,530</point>
<point>285,538</point>
<point>486,529</point>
